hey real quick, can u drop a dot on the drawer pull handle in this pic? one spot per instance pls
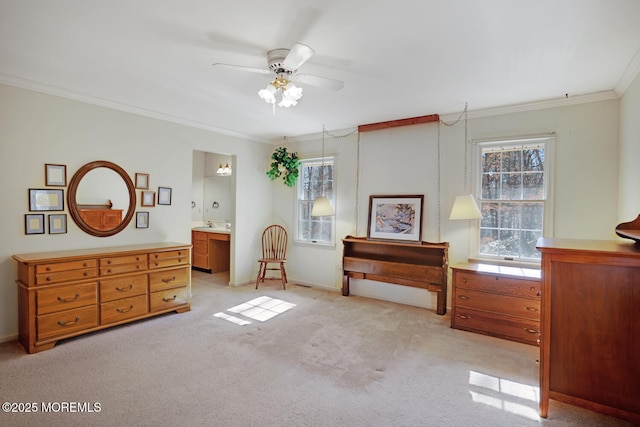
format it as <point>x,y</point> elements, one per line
<point>109,262</point>
<point>169,280</point>
<point>533,309</point>
<point>463,297</point>
<point>463,316</point>
<point>84,264</point>
<point>125,310</point>
<point>69,299</point>
<point>173,298</point>
<point>71,323</point>
<point>48,268</point>
<point>109,270</point>
<point>48,279</point>
<point>531,331</point>
<point>464,280</point>
<point>85,274</point>
<point>125,289</point>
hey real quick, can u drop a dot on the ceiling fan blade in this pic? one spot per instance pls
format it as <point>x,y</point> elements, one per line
<point>298,55</point>
<point>322,82</point>
<point>243,68</point>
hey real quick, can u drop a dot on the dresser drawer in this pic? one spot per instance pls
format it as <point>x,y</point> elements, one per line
<point>66,298</point>
<point>169,258</point>
<point>123,268</point>
<point>168,279</point>
<point>66,266</point>
<point>498,284</point>
<point>516,329</point>
<point>128,259</point>
<point>122,309</point>
<point>123,287</point>
<point>505,304</point>
<point>66,276</point>
<point>167,299</point>
<point>66,322</point>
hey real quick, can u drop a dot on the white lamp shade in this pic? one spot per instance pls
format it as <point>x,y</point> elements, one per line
<point>322,207</point>
<point>268,94</point>
<point>465,207</point>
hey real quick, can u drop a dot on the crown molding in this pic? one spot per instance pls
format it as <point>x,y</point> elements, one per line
<point>538,105</point>
<point>23,83</point>
<point>629,74</point>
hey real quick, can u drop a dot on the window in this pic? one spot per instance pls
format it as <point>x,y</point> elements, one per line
<point>513,183</point>
<point>311,229</point>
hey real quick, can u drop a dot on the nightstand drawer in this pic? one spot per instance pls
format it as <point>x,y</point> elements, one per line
<point>498,284</point>
<point>512,328</point>
<point>505,304</point>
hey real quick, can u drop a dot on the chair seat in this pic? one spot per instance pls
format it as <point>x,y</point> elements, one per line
<point>271,260</point>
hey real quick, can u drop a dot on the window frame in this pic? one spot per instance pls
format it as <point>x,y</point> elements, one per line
<point>327,159</point>
<point>548,140</point>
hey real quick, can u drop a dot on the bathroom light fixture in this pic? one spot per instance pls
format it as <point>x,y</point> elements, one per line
<point>224,170</point>
<point>321,205</point>
<point>465,206</point>
<point>289,93</point>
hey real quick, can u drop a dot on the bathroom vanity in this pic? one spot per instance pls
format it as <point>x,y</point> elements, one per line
<point>211,249</point>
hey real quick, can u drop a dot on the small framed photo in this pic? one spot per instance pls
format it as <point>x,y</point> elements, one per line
<point>142,181</point>
<point>57,223</point>
<point>55,175</point>
<point>164,195</point>
<point>34,224</point>
<point>142,219</point>
<point>46,200</point>
<point>148,198</point>
<point>395,218</point>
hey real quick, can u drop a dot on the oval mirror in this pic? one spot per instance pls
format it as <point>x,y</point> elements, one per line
<point>101,198</point>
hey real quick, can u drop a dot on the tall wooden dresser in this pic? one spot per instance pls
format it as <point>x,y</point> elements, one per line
<point>67,293</point>
<point>590,348</point>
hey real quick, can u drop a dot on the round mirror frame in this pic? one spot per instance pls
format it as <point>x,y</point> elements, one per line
<point>73,207</point>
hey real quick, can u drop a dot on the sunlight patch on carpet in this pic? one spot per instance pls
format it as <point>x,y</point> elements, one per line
<point>232,319</point>
<point>507,395</point>
<point>260,309</point>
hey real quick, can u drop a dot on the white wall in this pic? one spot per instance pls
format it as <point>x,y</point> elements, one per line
<point>629,190</point>
<point>404,160</point>
<point>36,129</point>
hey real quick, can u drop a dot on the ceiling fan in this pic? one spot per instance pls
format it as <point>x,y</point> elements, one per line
<point>284,63</point>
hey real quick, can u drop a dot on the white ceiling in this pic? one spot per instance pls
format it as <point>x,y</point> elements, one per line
<point>398,59</point>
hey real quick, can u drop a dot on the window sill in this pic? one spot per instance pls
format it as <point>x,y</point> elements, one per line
<point>329,245</point>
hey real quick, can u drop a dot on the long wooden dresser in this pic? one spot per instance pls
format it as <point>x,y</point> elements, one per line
<point>67,293</point>
<point>590,347</point>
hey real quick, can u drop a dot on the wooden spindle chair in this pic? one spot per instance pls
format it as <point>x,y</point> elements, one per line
<point>274,251</point>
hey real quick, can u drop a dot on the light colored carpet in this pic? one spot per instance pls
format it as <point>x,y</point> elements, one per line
<point>327,361</point>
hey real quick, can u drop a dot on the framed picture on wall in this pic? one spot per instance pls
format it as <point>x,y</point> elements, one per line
<point>395,218</point>
<point>142,181</point>
<point>142,219</point>
<point>148,198</point>
<point>57,223</point>
<point>164,195</point>
<point>46,200</point>
<point>55,175</point>
<point>34,224</point>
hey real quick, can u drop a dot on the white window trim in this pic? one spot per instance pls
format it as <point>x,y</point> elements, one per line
<point>549,168</point>
<point>296,220</point>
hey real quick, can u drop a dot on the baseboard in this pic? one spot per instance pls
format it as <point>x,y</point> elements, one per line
<point>8,338</point>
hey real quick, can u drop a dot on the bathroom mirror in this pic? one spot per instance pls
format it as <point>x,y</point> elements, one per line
<point>101,198</point>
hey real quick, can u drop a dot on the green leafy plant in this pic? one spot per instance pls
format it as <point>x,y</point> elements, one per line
<point>284,164</point>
